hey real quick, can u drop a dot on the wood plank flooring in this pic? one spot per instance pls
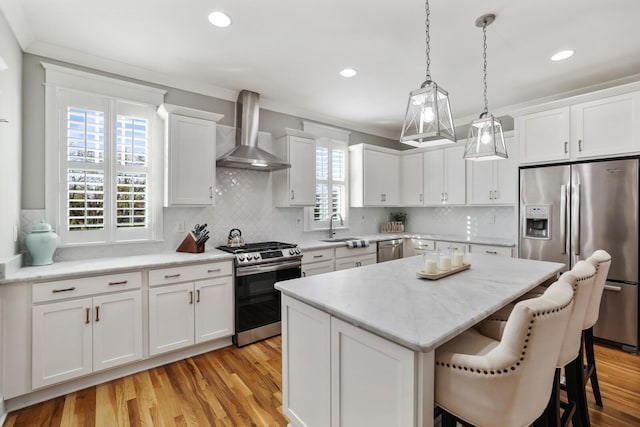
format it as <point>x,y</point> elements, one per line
<point>242,387</point>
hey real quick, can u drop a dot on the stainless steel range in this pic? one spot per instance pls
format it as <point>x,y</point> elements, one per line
<point>258,266</point>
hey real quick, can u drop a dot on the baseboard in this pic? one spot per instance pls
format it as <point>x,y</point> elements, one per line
<point>3,412</point>
<point>57,390</point>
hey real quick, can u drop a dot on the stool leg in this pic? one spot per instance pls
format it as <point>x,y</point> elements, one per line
<point>591,365</point>
<point>577,392</point>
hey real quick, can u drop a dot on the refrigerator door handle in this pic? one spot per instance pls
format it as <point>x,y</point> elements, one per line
<point>563,218</point>
<point>575,225</point>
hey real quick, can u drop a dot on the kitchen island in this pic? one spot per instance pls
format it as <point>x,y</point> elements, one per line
<point>358,345</point>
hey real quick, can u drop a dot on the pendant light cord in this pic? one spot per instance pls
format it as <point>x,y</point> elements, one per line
<point>428,40</point>
<point>484,56</point>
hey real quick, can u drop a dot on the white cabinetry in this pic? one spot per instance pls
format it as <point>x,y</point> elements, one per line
<point>411,180</point>
<point>494,181</point>
<point>345,364</point>
<point>187,313</point>
<point>355,257</point>
<point>77,336</point>
<point>190,155</point>
<point>374,176</point>
<point>491,250</point>
<point>444,176</point>
<point>295,186</point>
<point>317,262</point>
<point>604,127</point>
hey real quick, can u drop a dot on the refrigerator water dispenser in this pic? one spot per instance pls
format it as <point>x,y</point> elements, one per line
<point>537,221</point>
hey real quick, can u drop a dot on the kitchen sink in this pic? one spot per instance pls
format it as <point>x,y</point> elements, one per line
<point>339,239</point>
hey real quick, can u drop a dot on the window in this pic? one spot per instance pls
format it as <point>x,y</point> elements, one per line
<point>331,183</point>
<point>101,157</point>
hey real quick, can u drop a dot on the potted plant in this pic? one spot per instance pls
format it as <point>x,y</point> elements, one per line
<point>398,216</point>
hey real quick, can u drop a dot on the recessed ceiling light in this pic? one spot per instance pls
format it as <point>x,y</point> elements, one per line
<point>219,19</point>
<point>348,72</point>
<point>563,54</point>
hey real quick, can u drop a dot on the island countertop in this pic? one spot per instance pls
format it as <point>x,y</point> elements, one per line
<point>389,300</point>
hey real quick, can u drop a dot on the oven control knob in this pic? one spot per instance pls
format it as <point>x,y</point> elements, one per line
<point>249,257</point>
<point>297,251</point>
<point>291,251</point>
<point>240,258</point>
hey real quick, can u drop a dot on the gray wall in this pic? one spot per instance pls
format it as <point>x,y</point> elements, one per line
<point>10,140</point>
<point>33,178</point>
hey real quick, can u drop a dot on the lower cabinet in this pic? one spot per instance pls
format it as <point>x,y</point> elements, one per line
<point>76,337</point>
<point>317,261</point>
<point>358,378</point>
<point>317,268</point>
<point>355,257</point>
<point>189,313</point>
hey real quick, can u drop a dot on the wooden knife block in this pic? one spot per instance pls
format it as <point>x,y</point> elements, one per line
<point>189,245</point>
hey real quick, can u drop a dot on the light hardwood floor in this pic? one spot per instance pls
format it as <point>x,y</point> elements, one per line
<point>242,387</point>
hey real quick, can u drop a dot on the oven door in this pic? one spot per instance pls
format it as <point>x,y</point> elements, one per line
<point>257,300</point>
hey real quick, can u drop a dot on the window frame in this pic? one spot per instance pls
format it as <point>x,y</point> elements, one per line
<point>114,97</point>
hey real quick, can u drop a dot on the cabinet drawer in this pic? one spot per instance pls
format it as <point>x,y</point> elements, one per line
<point>423,245</point>
<point>491,250</point>
<point>342,252</point>
<point>317,255</point>
<point>185,273</point>
<point>444,245</point>
<point>317,268</point>
<point>62,289</point>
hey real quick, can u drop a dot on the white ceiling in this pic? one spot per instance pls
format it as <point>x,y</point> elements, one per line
<point>291,51</point>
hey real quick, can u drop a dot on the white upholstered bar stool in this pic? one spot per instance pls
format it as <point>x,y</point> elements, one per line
<point>581,278</point>
<point>601,260</point>
<point>505,381</point>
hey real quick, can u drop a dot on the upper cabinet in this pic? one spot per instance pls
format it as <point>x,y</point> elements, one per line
<point>295,186</point>
<point>374,176</point>
<point>445,176</point>
<point>411,180</point>
<point>494,181</point>
<point>190,155</point>
<point>603,127</point>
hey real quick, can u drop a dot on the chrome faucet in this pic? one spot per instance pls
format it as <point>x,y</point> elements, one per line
<point>332,231</point>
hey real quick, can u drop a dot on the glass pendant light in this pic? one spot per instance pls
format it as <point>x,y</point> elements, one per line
<point>428,120</point>
<point>485,140</point>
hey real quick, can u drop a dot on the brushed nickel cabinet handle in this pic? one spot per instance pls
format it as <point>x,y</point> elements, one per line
<point>292,195</point>
<point>4,121</point>
<point>73,288</point>
<point>421,197</point>
<point>492,252</point>
<point>88,311</point>
<point>317,256</point>
<point>304,274</point>
<point>169,276</point>
<point>580,145</point>
<point>566,147</point>
<point>97,313</point>
<point>198,295</point>
<point>211,192</point>
<point>122,282</point>
<point>216,270</point>
<point>190,297</point>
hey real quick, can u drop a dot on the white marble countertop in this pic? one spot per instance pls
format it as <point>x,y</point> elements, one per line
<point>388,299</point>
<point>67,269</point>
<point>319,244</point>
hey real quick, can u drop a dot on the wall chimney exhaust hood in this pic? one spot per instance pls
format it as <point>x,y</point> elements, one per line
<point>246,154</point>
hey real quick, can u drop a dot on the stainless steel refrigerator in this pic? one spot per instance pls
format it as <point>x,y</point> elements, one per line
<point>569,211</point>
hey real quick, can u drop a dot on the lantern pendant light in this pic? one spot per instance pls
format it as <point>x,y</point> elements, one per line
<point>428,119</point>
<point>485,140</point>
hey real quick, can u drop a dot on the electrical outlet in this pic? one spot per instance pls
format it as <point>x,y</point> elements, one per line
<point>179,226</point>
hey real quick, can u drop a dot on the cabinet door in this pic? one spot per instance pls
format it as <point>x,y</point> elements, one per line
<point>317,268</point>
<point>372,379</point>
<point>480,182</point>
<point>455,176</point>
<point>381,178</point>
<point>506,175</point>
<point>607,126</point>
<point>346,263</point>
<point>213,309</point>
<point>434,177</point>
<point>412,181</point>
<point>117,329</point>
<point>302,174</point>
<point>170,317</point>
<point>544,136</point>
<point>61,341</point>
<point>192,160</point>
<point>367,260</point>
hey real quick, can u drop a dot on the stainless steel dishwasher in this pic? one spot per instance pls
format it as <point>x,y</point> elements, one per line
<point>389,250</point>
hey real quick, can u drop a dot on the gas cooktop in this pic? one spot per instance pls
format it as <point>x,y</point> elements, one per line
<point>263,252</point>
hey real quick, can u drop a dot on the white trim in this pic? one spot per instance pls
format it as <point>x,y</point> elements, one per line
<point>97,84</point>
<point>325,131</point>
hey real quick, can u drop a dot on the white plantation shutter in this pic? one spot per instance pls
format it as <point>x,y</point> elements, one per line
<point>331,181</point>
<point>105,165</point>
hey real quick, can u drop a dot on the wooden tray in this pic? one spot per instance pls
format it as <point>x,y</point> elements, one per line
<point>440,274</point>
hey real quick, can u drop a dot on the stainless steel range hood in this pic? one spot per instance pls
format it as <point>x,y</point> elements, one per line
<point>246,154</point>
